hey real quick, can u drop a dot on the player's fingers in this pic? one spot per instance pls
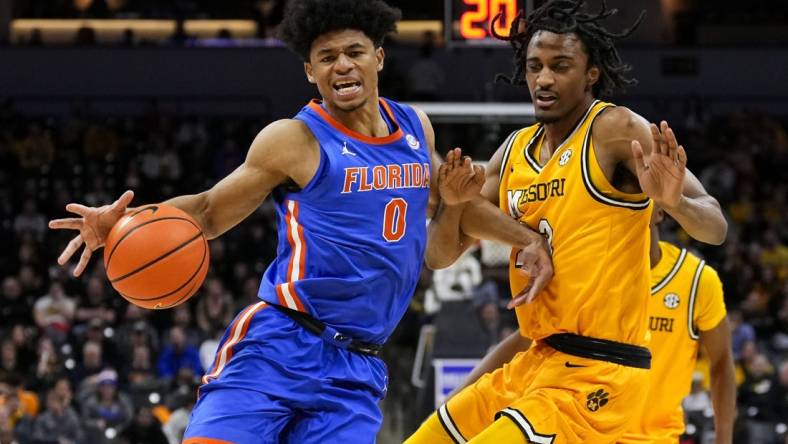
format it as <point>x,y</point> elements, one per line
<point>682,156</point>
<point>637,152</point>
<point>442,169</point>
<point>467,166</point>
<point>77,208</point>
<point>70,223</point>
<point>83,261</point>
<point>70,249</point>
<point>457,163</point>
<point>656,137</point>
<point>659,141</point>
<point>519,298</point>
<point>123,201</point>
<point>539,282</point>
<point>516,302</point>
<point>673,145</point>
<point>478,172</point>
<point>449,157</point>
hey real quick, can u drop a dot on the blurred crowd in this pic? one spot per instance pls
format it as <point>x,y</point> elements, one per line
<point>80,365</point>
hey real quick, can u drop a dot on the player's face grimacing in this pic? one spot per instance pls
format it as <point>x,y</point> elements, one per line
<point>558,75</point>
<point>344,65</point>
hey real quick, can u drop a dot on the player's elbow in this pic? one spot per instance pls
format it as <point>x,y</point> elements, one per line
<point>437,261</point>
<point>720,233</point>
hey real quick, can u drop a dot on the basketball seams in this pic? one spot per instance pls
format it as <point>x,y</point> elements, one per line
<point>190,279</point>
<point>158,259</point>
<point>132,230</point>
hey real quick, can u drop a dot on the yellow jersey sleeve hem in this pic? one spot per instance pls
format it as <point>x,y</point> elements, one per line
<point>711,304</point>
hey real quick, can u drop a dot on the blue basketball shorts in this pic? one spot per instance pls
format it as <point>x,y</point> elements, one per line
<point>274,382</point>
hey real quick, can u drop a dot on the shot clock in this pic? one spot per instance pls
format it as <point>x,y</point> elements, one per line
<point>469,22</point>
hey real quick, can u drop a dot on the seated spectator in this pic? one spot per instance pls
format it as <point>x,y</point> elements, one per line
<point>14,307</point>
<point>145,429</point>
<point>54,313</point>
<point>63,389</point>
<point>24,340</point>
<point>758,394</point>
<point>94,304</point>
<point>31,282</point>
<point>182,318</point>
<point>698,400</point>
<point>91,364</point>
<point>215,308</point>
<point>9,364</point>
<point>48,365</point>
<point>140,369</point>
<point>179,419</point>
<point>178,354</point>
<point>95,332</point>
<point>742,333</point>
<point>208,350</point>
<point>135,330</point>
<point>58,424</point>
<point>107,412</point>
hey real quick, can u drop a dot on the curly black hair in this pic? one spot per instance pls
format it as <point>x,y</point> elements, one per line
<point>306,20</point>
<point>565,16</point>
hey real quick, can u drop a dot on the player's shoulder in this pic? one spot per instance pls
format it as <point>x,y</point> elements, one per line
<point>284,139</point>
<point>284,135</point>
<point>616,120</point>
<point>707,277</point>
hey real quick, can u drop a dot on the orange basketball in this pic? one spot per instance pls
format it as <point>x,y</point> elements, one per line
<point>156,257</point>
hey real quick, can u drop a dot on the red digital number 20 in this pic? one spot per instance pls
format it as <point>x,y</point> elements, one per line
<point>473,22</point>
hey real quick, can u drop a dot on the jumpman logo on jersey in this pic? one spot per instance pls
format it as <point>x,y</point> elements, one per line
<point>345,151</point>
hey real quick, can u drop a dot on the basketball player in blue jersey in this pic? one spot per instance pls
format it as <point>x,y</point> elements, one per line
<point>351,177</point>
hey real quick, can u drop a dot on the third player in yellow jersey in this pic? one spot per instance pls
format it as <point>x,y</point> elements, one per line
<point>685,307</point>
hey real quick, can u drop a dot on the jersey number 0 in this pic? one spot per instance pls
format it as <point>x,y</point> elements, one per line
<point>394,219</point>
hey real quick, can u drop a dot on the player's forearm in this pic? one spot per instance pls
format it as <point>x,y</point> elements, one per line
<point>701,217</point>
<point>483,220</point>
<point>723,396</point>
<point>446,242</point>
<point>501,354</point>
<point>196,205</point>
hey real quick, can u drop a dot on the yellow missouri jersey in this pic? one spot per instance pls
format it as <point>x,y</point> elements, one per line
<point>686,298</point>
<point>599,238</point>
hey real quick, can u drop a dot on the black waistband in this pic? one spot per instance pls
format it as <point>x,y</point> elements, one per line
<point>600,349</point>
<point>318,328</point>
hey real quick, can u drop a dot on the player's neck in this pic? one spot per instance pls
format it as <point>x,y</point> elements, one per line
<point>365,119</point>
<point>556,132</point>
<point>655,253</point>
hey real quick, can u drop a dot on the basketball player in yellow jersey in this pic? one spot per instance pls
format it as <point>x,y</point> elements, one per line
<point>584,177</point>
<point>685,306</point>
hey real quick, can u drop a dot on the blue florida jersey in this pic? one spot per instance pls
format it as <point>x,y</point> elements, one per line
<point>351,242</point>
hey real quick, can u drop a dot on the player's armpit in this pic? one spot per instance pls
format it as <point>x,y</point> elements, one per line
<point>429,135</point>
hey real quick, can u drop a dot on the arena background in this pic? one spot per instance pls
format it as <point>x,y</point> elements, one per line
<point>99,96</point>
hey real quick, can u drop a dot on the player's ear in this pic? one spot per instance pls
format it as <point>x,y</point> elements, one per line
<point>592,76</point>
<point>658,215</point>
<point>380,55</point>
<point>308,71</point>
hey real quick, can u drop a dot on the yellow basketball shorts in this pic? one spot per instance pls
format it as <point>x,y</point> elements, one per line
<point>542,396</point>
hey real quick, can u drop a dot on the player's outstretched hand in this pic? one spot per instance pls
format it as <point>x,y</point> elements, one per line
<point>535,262</point>
<point>93,226</point>
<point>661,173</point>
<point>459,180</point>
